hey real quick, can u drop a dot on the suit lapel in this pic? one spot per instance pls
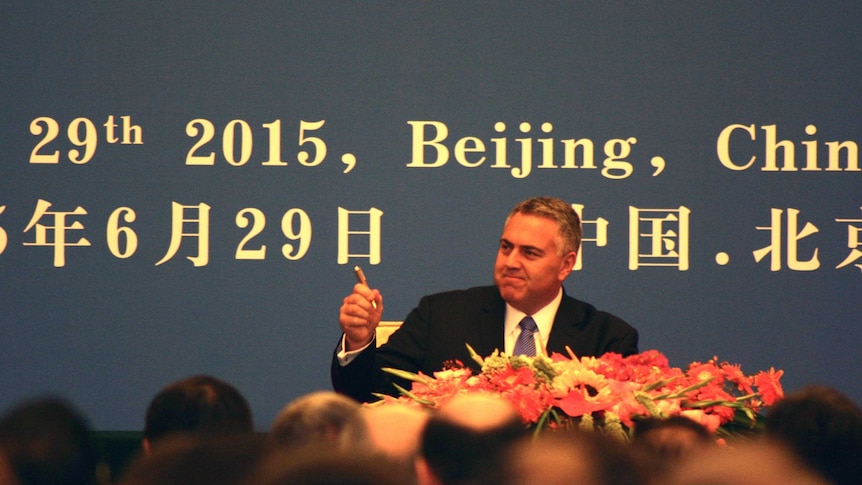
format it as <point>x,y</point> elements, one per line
<point>566,326</point>
<point>491,324</point>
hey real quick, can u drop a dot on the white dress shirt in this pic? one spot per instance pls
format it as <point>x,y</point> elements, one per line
<point>544,319</point>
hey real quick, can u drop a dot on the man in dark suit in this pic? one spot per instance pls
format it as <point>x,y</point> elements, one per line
<point>538,249</point>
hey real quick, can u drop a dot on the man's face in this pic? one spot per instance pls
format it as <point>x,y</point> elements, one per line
<point>529,270</point>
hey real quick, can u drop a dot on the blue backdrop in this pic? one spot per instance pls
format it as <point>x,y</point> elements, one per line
<point>156,158</point>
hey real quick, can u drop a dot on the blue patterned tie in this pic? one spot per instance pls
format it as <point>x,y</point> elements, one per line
<point>526,343</point>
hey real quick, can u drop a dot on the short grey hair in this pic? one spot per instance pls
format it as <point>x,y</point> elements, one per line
<point>558,210</point>
<point>321,417</point>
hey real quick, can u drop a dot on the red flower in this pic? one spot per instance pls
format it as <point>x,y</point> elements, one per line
<point>608,390</point>
<point>529,403</point>
<point>734,374</point>
<point>709,371</point>
<point>768,385</point>
<point>579,402</point>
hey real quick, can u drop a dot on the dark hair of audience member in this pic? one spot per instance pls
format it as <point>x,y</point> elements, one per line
<point>187,459</point>
<point>824,428</point>
<point>316,418</point>
<point>46,441</point>
<point>662,442</point>
<point>458,454</point>
<point>199,404</point>
<point>671,437</point>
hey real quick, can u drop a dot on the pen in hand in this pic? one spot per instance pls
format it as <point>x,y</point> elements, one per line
<point>360,277</point>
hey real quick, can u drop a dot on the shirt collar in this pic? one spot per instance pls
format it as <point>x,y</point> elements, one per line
<point>544,319</point>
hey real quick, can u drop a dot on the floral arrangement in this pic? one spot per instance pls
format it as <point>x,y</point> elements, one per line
<point>607,393</point>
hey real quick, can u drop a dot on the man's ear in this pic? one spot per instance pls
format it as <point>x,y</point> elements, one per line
<point>145,445</point>
<point>568,265</point>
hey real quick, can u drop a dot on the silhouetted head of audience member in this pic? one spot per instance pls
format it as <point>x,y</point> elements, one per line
<point>824,428</point>
<point>188,459</point>
<point>392,430</point>
<point>321,465</point>
<point>748,462</point>
<point>671,437</point>
<point>661,442</point>
<point>48,442</point>
<point>317,418</point>
<point>565,457</point>
<point>391,434</point>
<point>202,405</point>
<point>465,437</point>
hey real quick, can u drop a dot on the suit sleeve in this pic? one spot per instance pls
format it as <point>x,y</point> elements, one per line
<point>405,350</point>
<point>624,339</point>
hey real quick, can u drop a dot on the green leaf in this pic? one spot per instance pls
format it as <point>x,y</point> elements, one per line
<point>684,392</point>
<point>476,357</point>
<point>587,423</point>
<point>658,384</point>
<point>410,376</point>
<point>541,423</point>
<point>649,403</point>
<point>414,397</point>
<point>614,428</point>
<point>715,402</point>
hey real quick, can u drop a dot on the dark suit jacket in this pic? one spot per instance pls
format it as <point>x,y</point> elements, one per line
<point>439,329</point>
